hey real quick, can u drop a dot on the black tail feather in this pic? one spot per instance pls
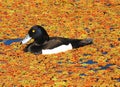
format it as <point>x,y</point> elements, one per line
<point>81,43</point>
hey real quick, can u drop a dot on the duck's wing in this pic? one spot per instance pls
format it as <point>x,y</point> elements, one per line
<point>55,42</point>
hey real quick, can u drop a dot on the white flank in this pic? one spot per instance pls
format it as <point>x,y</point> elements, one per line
<point>58,49</point>
<point>26,39</point>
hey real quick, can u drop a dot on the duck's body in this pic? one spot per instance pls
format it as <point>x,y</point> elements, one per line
<point>43,44</point>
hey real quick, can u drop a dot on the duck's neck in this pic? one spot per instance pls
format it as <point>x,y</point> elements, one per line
<point>40,41</point>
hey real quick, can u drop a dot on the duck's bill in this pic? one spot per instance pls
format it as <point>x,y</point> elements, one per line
<point>26,39</point>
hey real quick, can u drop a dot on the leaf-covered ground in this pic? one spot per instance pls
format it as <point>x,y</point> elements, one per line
<point>96,65</point>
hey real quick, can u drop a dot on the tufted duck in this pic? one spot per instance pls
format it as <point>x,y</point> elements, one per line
<point>43,44</point>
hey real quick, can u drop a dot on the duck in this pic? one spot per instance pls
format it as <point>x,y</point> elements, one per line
<point>44,44</point>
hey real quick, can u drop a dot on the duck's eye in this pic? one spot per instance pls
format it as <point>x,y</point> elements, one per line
<point>33,31</point>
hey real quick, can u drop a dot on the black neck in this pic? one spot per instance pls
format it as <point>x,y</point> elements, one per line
<point>41,40</point>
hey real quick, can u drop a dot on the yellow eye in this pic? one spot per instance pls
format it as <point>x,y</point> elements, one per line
<point>33,31</point>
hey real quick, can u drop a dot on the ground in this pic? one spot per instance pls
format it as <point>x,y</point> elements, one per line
<point>95,65</point>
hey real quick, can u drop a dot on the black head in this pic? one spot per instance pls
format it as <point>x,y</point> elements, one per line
<point>37,33</point>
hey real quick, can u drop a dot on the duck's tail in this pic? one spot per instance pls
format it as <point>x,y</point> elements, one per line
<point>86,42</point>
<point>82,42</point>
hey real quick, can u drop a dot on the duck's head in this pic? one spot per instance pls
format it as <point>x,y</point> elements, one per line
<point>37,33</point>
